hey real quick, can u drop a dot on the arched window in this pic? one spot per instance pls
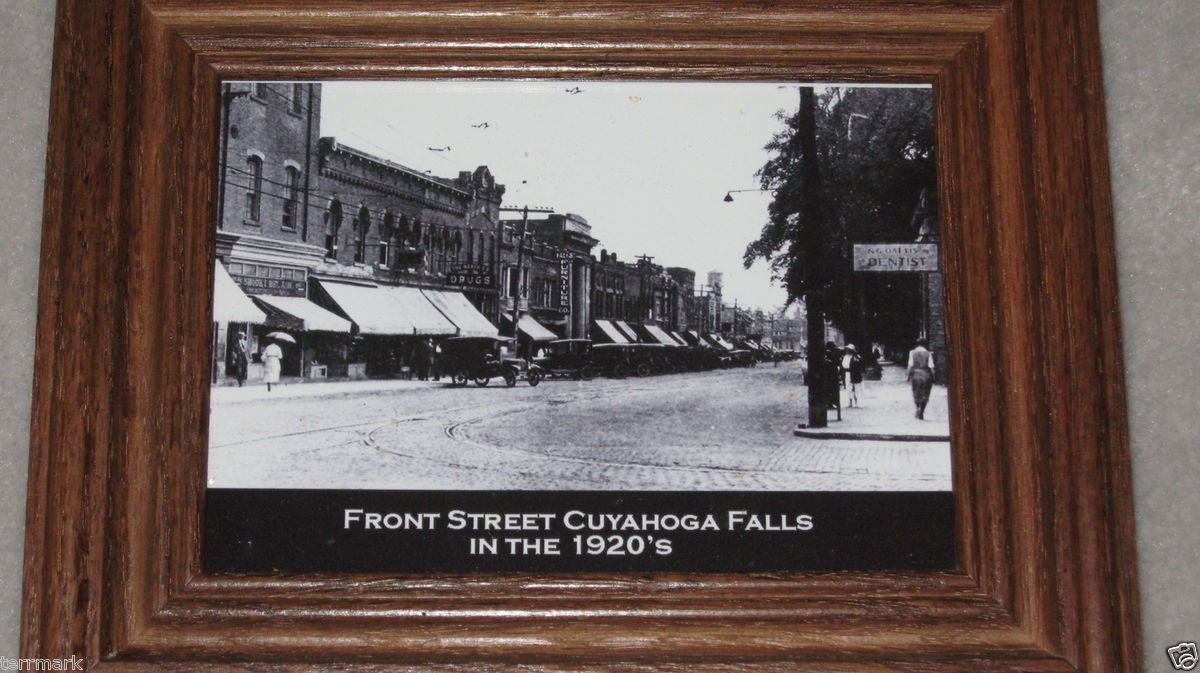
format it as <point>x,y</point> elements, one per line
<point>333,223</point>
<point>254,194</point>
<point>385,238</point>
<point>291,206</point>
<point>361,225</point>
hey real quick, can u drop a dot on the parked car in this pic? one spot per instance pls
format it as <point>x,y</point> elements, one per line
<point>615,360</point>
<point>480,359</point>
<point>568,358</point>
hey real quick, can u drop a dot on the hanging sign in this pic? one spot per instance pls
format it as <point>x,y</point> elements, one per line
<point>565,259</point>
<point>895,257</point>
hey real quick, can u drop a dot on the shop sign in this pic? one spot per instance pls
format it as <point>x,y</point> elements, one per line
<point>905,257</point>
<point>266,279</point>
<point>471,276</point>
<point>565,260</point>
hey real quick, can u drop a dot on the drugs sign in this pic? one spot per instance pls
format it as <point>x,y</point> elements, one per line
<point>895,257</point>
<point>471,275</point>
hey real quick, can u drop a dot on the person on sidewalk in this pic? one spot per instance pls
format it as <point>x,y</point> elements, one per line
<point>833,377</point>
<point>852,366</point>
<point>271,357</point>
<point>421,357</point>
<point>241,359</point>
<point>920,373</point>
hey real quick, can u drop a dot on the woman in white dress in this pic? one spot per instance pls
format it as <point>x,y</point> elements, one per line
<point>271,357</point>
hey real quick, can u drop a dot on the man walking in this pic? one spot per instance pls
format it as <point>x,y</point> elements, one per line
<point>920,373</point>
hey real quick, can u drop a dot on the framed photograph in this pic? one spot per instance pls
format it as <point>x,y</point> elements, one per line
<point>575,336</point>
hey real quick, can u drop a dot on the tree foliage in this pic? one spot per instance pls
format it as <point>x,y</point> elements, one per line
<point>875,151</point>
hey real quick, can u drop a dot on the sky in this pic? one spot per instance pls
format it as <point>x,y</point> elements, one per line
<point>648,164</point>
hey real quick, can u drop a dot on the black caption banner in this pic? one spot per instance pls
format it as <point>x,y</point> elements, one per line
<point>276,530</point>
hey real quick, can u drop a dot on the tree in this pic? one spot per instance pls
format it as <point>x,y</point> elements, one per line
<point>875,152</point>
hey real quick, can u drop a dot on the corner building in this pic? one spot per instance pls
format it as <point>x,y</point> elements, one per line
<point>354,256</point>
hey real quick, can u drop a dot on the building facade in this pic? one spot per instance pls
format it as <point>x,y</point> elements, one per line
<point>309,224</point>
<point>366,264</point>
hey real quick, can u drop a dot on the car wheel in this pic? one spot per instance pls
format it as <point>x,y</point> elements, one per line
<point>510,379</point>
<point>535,378</point>
<point>642,369</point>
<point>482,381</point>
<point>587,373</point>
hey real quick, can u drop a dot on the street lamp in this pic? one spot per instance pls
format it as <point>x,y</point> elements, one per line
<point>729,194</point>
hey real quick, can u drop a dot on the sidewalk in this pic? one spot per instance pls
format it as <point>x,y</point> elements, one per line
<point>297,390</point>
<point>887,413</point>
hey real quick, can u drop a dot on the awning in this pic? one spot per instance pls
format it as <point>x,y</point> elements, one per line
<point>230,304</point>
<point>388,310</point>
<point>460,311</point>
<point>612,333</point>
<point>310,317</point>
<point>678,338</point>
<point>533,329</point>
<point>624,328</point>
<point>659,335</point>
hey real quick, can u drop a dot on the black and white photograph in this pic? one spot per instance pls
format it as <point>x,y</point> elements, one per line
<point>684,315</point>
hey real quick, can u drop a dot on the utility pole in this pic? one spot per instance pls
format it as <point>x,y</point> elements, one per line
<point>228,95</point>
<point>524,210</point>
<point>812,216</point>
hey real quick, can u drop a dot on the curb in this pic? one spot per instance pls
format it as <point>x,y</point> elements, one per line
<point>803,431</point>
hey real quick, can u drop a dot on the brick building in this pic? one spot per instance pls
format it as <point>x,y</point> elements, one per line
<point>349,253</point>
<point>365,262</point>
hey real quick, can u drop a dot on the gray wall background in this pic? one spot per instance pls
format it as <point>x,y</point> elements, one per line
<point>1152,71</point>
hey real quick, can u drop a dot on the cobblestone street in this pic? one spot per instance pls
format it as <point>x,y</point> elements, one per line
<point>719,430</point>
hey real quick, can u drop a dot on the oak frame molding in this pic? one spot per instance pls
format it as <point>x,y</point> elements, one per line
<point>1046,580</point>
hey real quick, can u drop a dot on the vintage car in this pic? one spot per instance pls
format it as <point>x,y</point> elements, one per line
<point>757,350</point>
<point>617,360</point>
<point>568,358</point>
<point>480,359</point>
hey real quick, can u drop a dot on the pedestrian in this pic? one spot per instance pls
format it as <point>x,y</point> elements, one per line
<point>852,372</point>
<point>241,360</point>
<point>436,361</point>
<point>421,356</point>
<point>271,357</point>
<point>430,357</point>
<point>920,373</point>
<point>833,376</point>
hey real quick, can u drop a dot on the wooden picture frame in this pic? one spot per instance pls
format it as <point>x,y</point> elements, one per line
<point>1046,579</point>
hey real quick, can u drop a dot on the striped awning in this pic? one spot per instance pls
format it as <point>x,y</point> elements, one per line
<point>659,335</point>
<point>388,310</point>
<point>530,327</point>
<point>460,311</point>
<point>306,315</point>
<point>230,304</point>
<point>629,333</point>
<point>610,332</point>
